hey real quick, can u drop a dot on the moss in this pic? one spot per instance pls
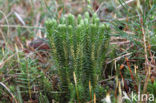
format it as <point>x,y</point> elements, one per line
<point>80,46</point>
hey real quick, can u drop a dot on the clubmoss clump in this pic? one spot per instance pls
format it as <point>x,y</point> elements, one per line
<point>78,45</point>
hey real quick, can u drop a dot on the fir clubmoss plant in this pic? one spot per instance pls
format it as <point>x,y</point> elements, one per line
<point>78,45</point>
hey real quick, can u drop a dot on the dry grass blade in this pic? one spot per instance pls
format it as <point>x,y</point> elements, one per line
<point>4,61</point>
<point>126,3</point>
<point>94,98</point>
<point>17,26</point>
<point>4,86</point>
<point>19,18</point>
<point>8,32</point>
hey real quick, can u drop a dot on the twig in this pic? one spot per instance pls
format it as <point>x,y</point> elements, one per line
<point>119,57</point>
<point>72,3</point>
<point>122,19</point>
<point>107,79</point>
<point>147,69</point>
